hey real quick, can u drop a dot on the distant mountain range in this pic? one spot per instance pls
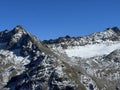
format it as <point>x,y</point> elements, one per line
<point>90,62</point>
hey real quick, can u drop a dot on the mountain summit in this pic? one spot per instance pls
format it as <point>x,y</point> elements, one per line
<point>90,62</point>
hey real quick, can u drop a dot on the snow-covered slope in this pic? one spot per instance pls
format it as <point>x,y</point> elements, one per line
<point>11,65</point>
<point>92,50</point>
<point>95,55</point>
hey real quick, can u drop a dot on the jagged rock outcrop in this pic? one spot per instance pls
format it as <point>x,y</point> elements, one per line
<point>110,34</point>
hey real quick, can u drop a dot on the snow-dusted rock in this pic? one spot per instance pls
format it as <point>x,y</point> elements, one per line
<point>97,56</point>
<point>91,62</point>
<point>28,64</point>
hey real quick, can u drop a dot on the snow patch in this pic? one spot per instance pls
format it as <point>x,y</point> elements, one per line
<point>88,51</point>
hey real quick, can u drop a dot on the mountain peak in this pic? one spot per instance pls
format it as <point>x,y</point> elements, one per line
<point>36,63</point>
<point>19,38</point>
<point>116,29</point>
<point>19,29</point>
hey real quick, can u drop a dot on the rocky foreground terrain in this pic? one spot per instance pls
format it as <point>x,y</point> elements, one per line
<point>90,62</point>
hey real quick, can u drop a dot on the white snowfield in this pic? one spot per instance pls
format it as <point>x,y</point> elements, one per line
<point>88,51</point>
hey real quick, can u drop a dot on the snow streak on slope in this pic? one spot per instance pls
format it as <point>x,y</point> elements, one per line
<point>10,65</point>
<point>92,50</point>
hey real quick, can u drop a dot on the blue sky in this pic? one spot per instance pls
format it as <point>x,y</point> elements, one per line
<point>53,18</point>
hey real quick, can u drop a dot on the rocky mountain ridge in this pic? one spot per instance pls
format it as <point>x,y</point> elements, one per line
<point>111,34</point>
<point>28,64</point>
<point>96,54</point>
<point>91,62</point>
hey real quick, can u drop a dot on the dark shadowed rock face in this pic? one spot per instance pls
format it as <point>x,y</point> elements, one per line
<point>114,56</point>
